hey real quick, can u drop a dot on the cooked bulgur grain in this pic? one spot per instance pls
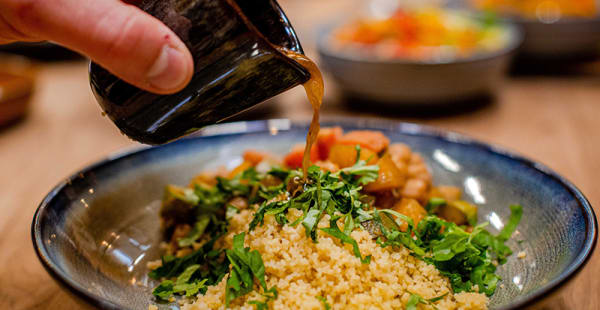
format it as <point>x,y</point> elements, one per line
<point>302,270</point>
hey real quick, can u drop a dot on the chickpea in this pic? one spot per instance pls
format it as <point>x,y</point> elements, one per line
<point>415,188</point>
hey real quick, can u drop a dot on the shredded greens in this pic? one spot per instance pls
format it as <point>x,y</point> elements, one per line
<point>323,301</point>
<point>246,265</point>
<point>336,194</point>
<point>415,299</point>
<point>468,259</point>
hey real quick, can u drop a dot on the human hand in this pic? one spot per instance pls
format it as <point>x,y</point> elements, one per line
<point>119,36</point>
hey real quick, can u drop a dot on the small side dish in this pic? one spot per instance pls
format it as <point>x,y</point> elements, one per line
<point>366,227</point>
<point>541,9</point>
<point>430,34</point>
<point>550,27</point>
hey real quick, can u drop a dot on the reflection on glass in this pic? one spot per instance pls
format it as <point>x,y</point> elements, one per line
<point>122,257</point>
<point>548,12</point>
<point>273,130</point>
<point>234,163</point>
<point>495,220</point>
<point>446,161</point>
<point>517,282</point>
<point>382,8</point>
<point>473,188</point>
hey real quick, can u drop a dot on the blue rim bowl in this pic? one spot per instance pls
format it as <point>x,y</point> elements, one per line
<point>96,230</point>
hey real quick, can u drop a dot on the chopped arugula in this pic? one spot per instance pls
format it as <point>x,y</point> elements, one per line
<point>246,266</point>
<point>197,231</point>
<point>336,194</point>
<point>334,231</point>
<point>323,300</point>
<point>194,272</point>
<point>465,258</point>
<point>416,299</point>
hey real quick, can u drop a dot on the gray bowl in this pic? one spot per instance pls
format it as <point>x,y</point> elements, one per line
<point>564,38</point>
<point>96,230</point>
<point>404,81</point>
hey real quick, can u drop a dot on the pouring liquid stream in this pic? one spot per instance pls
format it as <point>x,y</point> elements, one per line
<point>314,88</point>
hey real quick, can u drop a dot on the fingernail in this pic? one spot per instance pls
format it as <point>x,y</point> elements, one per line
<point>169,71</point>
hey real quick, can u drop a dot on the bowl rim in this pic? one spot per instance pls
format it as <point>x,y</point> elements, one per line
<point>375,123</point>
<point>507,18</point>
<point>516,34</point>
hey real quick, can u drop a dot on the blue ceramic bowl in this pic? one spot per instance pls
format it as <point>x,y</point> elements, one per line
<point>96,230</point>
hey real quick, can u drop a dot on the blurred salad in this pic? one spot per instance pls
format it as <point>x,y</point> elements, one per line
<point>430,34</point>
<point>541,9</point>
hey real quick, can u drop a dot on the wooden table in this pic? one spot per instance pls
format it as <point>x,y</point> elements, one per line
<point>550,119</point>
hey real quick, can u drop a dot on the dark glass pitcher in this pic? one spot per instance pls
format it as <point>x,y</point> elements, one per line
<point>237,65</point>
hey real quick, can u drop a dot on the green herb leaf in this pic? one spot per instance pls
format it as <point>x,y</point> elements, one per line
<point>434,203</point>
<point>205,256</point>
<point>164,290</point>
<point>310,223</point>
<point>436,299</point>
<point>246,265</point>
<point>323,301</point>
<point>516,212</point>
<point>413,301</point>
<point>196,232</point>
<point>260,305</point>
<point>334,231</point>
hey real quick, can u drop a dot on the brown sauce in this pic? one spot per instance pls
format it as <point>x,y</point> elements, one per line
<point>314,88</point>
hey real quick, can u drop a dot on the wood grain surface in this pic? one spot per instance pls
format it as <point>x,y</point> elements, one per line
<point>551,119</point>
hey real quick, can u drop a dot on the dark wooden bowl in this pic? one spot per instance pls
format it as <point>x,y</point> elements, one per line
<point>16,87</point>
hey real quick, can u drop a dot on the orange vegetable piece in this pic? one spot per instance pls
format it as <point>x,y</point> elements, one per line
<point>204,179</point>
<point>345,155</point>
<point>410,208</point>
<point>415,188</point>
<point>326,139</point>
<point>327,166</point>
<point>385,200</point>
<point>450,193</point>
<point>368,139</point>
<point>294,158</point>
<point>254,157</point>
<point>239,169</point>
<point>390,177</point>
<point>400,153</point>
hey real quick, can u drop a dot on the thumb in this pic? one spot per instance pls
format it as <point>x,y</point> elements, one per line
<point>120,37</point>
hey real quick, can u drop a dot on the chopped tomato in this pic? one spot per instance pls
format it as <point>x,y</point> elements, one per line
<point>345,155</point>
<point>368,139</point>
<point>294,158</point>
<point>326,139</point>
<point>390,177</point>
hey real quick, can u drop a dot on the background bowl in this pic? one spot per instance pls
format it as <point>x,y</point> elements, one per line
<point>96,230</point>
<point>405,81</point>
<point>564,38</point>
<point>17,81</point>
